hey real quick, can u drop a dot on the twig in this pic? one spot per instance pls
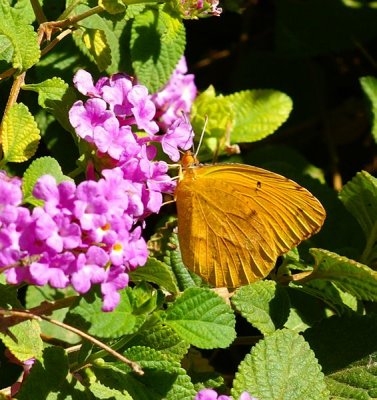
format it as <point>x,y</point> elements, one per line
<point>28,315</point>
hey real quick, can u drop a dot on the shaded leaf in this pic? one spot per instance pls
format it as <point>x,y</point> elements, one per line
<point>157,272</point>
<point>350,276</point>
<point>157,43</point>
<point>264,304</point>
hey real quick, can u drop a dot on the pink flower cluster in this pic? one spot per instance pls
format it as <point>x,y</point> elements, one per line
<point>91,233</point>
<point>210,394</point>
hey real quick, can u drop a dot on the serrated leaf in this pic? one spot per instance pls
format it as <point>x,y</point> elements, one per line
<point>163,339</point>
<point>157,44</point>
<point>47,375</point>
<point>23,340</point>
<point>339,342</point>
<point>258,113</point>
<point>357,381</point>
<point>350,276</point>
<point>102,392</point>
<point>202,318</point>
<point>369,85</point>
<point>281,366</point>
<point>20,134</point>
<point>24,40</point>
<point>359,196</point>
<point>88,316</point>
<point>157,272</point>
<point>39,167</point>
<point>162,379</point>
<point>264,304</point>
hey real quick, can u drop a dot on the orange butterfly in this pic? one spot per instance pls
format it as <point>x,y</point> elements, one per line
<point>234,220</point>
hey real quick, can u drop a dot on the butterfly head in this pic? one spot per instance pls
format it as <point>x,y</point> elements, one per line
<point>188,160</point>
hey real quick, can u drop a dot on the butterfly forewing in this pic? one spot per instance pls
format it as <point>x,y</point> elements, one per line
<point>234,221</point>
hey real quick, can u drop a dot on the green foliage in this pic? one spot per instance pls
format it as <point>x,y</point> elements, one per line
<point>264,304</point>
<point>282,365</point>
<point>17,37</point>
<point>214,321</point>
<point>309,330</point>
<point>157,43</point>
<point>20,134</point>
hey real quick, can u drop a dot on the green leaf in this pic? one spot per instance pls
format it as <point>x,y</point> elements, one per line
<point>46,376</point>
<point>281,366</point>
<point>20,134</point>
<point>24,40</point>
<point>264,304</point>
<point>369,85</point>
<point>163,339</point>
<point>202,318</point>
<point>162,378</point>
<point>23,340</point>
<point>55,96</point>
<point>88,316</point>
<point>103,392</point>
<point>173,259</point>
<point>157,44</point>
<point>113,6</point>
<point>39,167</point>
<point>359,196</point>
<point>157,272</point>
<point>258,113</point>
<point>350,276</point>
<point>357,381</point>
<point>339,342</point>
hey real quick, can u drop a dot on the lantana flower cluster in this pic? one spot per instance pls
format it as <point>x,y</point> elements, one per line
<point>90,233</point>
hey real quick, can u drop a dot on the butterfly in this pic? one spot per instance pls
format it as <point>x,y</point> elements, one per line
<point>235,220</point>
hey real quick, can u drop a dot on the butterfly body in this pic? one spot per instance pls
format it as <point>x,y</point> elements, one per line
<point>234,220</point>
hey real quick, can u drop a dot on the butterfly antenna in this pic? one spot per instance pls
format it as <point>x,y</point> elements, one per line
<point>202,135</point>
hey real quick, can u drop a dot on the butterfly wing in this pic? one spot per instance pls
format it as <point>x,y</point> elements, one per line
<point>234,221</point>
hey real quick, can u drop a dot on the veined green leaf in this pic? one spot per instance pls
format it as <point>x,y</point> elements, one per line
<point>281,366</point>
<point>157,44</point>
<point>24,41</point>
<point>350,276</point>
<point>258,113</point>
<point>357,381</point>
<point>264,304</point>
<point>202,318</point>
<point>20,134</point>
<point>162,379</point>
